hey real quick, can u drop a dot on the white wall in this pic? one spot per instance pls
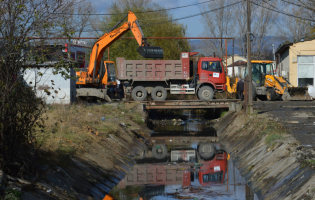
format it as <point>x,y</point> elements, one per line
<point>66,88</point>
<point>239,71</point>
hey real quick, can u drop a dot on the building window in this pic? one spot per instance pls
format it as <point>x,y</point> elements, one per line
<point>306,70</point>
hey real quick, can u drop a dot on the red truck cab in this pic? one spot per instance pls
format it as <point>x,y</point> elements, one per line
<point>211,72</point>
<point>213,171</point>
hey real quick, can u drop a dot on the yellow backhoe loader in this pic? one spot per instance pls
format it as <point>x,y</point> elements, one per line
<point>267,86</point>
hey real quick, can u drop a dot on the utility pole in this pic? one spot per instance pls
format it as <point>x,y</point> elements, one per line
<point>273,52</point>
<point>249,106</point>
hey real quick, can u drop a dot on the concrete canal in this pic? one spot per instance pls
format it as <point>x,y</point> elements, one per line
<point>183,160</point>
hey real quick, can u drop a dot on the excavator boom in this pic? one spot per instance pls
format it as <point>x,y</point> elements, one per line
<point>108,38</point>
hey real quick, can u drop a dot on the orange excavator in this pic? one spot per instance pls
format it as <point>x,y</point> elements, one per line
<point>98,74</point>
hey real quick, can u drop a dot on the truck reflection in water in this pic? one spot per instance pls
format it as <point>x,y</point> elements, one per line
<point>181,165</point>
<point>177,165</point>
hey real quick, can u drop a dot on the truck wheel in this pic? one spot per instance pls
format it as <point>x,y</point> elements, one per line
<point>205,93</point>
<point>206,151</point>
<point>139,93</point>
<point>271,94</point>
<point>159,151</point>
<point>159,93</point>
<point>143,154</point>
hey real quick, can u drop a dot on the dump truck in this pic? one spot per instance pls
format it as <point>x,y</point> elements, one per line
<point>158,77</point>
<point>267,86</point>
<point>92,80</point>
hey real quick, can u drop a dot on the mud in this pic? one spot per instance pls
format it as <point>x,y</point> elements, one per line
<point>280,170</point>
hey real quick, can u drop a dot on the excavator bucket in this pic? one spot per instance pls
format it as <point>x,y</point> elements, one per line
<point>296,94</point>
<point>150,52</point>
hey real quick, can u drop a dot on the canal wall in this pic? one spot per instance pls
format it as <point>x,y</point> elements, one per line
<point>273,163</point>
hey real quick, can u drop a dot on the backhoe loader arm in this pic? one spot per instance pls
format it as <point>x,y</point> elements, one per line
<point>108,38</point>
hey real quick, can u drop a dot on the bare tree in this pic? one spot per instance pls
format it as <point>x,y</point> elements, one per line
<point>293,29</point>
<point>263,25</point>
<point>231,22</point>
<point>79,18</point>
<point>20,109</point>
<point>217,24</point>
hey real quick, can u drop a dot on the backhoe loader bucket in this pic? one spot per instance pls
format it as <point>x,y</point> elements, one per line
<point>151,52</point>
<point>296,94</point>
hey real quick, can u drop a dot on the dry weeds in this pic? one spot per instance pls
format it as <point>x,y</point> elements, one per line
<point>76,128</point>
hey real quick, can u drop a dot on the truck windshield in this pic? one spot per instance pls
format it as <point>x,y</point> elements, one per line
<point>214,66</point>
<point>111,72</point>
<point>213,177</point>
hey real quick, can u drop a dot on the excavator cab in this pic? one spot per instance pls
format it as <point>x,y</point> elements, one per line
<point>111,73</point>
<point>106,74</point>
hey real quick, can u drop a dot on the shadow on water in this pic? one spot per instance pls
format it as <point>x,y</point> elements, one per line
<point>183,160</point>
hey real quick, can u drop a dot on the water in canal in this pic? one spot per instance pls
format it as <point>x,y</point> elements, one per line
<point>183,160</point>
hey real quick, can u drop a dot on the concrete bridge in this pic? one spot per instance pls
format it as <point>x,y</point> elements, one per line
<point>188,104</point>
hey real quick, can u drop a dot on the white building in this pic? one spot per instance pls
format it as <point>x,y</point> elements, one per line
<point>52,88</point>
<point>55,88</point>
<point>239,69</point>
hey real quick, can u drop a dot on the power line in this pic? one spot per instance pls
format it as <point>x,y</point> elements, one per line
<point>284,13</point>
<point>302,6</point>
<point>134,12</point>
<point>181,18</point>
<point>168,21</point>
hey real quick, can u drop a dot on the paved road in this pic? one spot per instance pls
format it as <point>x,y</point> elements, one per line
<point>296,116</point>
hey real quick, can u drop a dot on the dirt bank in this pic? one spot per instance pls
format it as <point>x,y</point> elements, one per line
<point>271,160</point>
<point>83,152</point>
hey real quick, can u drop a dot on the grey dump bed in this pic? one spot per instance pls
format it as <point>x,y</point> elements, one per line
<point>153,70</point>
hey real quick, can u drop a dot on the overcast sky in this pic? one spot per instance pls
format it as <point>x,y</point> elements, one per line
<point>194,25</point>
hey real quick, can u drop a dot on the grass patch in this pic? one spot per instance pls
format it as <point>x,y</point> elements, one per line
<point>273,131</point>
<point>271,139</point>
<point>223,113</point>
<point>272,128</point>
<point>309,163</point>
<point>12,195</point>
<point>250,168</point>
<point>138,119</point>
